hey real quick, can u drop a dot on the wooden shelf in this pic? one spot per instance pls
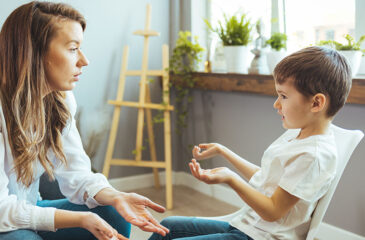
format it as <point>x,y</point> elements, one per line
<point>261,84</point>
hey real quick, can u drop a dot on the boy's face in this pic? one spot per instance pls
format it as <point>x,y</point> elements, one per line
<point>294,107</point>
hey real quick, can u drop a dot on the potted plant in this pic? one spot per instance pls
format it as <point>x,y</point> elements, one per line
<point>184,61</point>
<point>277,43</point>
<point>235,34</point>
<point>352,50</point>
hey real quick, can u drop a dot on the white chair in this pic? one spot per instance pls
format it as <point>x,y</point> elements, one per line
<point>346,141</point>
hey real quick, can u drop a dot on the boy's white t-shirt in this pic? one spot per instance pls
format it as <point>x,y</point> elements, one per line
<point>304,168</point>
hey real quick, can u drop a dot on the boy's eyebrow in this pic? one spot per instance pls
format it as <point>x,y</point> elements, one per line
<point>280,91</point>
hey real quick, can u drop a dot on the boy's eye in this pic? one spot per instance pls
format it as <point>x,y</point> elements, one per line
<point>283,96</point>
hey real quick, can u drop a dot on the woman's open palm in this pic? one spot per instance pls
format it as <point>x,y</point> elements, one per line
<point>133,207</point>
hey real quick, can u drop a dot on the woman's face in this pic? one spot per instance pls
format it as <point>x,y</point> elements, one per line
<point>64,59</point>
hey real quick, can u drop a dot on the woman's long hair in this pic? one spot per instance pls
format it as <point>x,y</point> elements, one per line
<point>34,122</point>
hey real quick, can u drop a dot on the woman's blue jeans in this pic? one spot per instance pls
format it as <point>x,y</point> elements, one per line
<point>108,213</point>
<point>191,228</point>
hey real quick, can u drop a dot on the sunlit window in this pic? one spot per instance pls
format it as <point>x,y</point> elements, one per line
<point>310,21</point>
<point>307,22</point>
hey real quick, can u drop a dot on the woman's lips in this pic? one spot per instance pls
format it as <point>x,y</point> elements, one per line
<point>76,76</point>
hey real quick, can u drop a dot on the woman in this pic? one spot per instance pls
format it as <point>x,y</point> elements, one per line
<point>40,58</point>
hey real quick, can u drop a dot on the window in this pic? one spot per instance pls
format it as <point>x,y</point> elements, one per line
<point>305,22</point>
<point>308,22</point>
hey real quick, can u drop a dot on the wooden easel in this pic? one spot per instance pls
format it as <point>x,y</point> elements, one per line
<point>144,105</point>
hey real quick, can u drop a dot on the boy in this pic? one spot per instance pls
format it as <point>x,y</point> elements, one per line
<point>296,170</point>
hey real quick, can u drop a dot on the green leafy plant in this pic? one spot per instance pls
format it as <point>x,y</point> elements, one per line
<point>235,31</point>
<point>351,44</point>
<point>184,61</point>
<point>277,41</point>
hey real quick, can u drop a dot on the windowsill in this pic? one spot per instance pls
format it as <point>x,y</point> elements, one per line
<point>262,84</point>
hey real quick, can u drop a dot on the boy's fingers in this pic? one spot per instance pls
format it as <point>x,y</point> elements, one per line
<point>203,145</point>
<point>192,169</point>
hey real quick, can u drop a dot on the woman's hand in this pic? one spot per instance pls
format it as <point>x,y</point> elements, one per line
<point>99,228</point>
<point>211,176</point>
<point>133,208</point>
<point>206,150</point>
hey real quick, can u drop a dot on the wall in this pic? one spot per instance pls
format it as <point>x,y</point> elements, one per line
<point>247,124</point>
<point>110,25</point>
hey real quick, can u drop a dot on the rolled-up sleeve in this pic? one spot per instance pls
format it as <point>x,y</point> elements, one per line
<point>76,180</point>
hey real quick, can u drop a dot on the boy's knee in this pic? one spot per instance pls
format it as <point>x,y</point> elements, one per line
<point>171,222</point>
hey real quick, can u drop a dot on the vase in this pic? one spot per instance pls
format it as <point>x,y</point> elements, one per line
<point>237,58</point>
<point>354,59</point>
<point>273,57</point>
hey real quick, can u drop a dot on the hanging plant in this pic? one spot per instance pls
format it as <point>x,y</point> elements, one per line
<point>184,61</point>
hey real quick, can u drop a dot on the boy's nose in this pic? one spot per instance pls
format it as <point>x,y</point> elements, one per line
<point>276,104</point>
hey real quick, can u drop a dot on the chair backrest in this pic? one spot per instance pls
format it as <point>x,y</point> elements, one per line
<point>346,141</point>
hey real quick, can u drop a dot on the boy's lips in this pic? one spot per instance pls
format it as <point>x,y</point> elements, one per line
<point>282,116</point>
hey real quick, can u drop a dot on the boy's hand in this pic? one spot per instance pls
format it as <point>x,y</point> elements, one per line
<point>206,150</point>
<point>211,176</point>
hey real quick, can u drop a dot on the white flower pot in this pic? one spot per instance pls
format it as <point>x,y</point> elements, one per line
<point>237,58</point>
<point>273,57</point>
<point>354,58</point>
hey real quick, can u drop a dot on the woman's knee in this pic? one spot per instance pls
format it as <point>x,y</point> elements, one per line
<point>21,234</point>
<point>111,216</point>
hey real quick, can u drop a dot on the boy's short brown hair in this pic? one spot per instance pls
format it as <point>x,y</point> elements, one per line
<point>317,70</point>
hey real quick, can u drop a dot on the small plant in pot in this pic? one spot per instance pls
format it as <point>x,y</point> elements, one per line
<point>277,43</point>
<point>235,34</point>
<point>352,50</point>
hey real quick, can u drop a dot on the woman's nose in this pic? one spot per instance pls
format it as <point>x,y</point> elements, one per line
<point>83,61</point>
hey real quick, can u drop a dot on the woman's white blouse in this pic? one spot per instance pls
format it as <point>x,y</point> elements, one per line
<point>18,208</point>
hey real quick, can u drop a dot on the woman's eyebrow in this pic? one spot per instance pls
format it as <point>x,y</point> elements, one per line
<point>73,41</point>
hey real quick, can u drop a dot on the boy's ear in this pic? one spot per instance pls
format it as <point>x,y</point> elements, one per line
<point>318,102</point>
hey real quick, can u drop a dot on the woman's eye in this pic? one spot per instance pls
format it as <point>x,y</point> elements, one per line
<point>74,49</point>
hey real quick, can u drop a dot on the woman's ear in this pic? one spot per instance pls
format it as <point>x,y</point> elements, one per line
<point>319,102</point>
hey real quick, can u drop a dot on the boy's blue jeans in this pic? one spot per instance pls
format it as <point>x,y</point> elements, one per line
<point>108,213</point>
<point>191,228</point>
